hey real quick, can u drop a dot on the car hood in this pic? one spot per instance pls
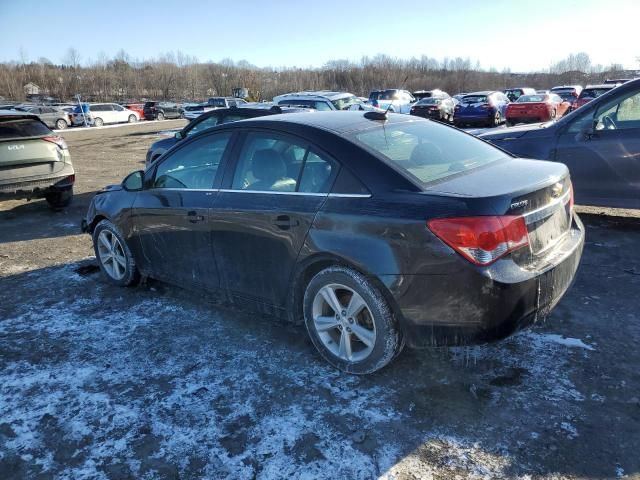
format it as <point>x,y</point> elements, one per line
<point>510,132</point>
<point>165,143</point>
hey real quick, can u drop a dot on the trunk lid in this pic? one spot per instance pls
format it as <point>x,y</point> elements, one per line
<point>539,191</point>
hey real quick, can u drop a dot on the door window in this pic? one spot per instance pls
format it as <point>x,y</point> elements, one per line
<point>194,166</point>
<point>619,114</point>
<point>276,163</point>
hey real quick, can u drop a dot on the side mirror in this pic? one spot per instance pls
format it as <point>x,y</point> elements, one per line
<point>179,135</point>
<point>133,181</point>
<point>586,132</point>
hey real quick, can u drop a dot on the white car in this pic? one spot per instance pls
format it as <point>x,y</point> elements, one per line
<point>393,100</point>
<point>104,113</point>
<point>322,100</point>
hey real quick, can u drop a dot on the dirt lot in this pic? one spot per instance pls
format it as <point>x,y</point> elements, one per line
<point>152,382</point>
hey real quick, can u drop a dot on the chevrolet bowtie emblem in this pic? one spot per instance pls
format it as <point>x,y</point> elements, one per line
<point>556,190</point>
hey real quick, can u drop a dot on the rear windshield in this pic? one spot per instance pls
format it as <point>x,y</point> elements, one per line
<point>193,108</point>
<point>531,98</point>
<point>430,101</point>
<point>217,102</point>
<point>426,151</point>
<point>593,92</point>
<point>389,95</point>
<point>469,99</point>
<point>23,127</point>
<point>150,104</point>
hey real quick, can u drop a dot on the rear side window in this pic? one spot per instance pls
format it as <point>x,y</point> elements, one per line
<point>23,127</point>
<point>426,151</point>
<point>276,163</point>
<point>194,166</point>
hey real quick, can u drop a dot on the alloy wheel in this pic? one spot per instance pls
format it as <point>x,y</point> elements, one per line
<point>112,255</point>
<point>343,322</point>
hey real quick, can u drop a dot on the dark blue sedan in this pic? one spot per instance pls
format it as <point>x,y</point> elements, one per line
<point>481,108</point>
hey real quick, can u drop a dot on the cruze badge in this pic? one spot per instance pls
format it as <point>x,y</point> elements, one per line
<point>520,204</point>
<point>16,147</point>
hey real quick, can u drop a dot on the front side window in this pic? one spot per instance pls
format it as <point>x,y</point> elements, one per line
<point>619,114</point>
<point>322,106</point>
<point>426,151</point>
<point>195,165</point>
<point>274,163</point>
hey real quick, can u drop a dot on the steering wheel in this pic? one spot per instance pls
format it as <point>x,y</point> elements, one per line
<point>608,123</point>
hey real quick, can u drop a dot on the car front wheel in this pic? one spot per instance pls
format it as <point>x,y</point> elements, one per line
<point>350,322</point>
<point>132,119</point>
<point>61,124</point>
<point>114,256</point>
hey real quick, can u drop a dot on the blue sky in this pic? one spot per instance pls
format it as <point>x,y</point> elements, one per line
<point>518,34</point>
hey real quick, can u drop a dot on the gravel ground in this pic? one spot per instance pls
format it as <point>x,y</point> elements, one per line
<point>154,382</point>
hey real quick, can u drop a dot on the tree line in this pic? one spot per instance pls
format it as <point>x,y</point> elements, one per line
<point>180,77</point>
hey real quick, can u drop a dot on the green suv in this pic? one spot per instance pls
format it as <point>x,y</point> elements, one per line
<point>34,161</point>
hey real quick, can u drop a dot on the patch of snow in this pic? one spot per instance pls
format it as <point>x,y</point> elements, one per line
<point>566,341</point>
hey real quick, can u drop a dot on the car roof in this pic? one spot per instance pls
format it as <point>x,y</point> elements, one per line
<point>17,114</point>
<point>485,92</point>
<point>602,85</point>
<point>340,122</point>
<point>324,94</point>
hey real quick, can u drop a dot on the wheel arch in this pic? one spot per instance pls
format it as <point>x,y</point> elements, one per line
<point>314,264</point>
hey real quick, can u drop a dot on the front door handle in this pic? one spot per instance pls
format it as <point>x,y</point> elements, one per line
<point>285,222</point>
<point>194,217</point>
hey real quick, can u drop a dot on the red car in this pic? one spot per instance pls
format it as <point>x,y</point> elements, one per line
<point>536,108</point>
<point>592,91</point>
<point>136,107</point>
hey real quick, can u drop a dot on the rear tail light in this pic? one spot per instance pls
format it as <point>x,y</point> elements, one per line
<point>59,141</point>
<point>482,240</point>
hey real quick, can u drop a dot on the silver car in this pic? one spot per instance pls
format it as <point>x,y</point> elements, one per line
<point>34,161</point>
<point>54,117</point>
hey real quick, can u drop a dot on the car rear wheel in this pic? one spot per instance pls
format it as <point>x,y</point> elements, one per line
<point>98,122</point>
<point>114,257</point>
<point>350,322</point>
<point>132,119</point>
<point>497,119</point>
<point>59,200</point>
<point>61,124</point>
<point>553,114</point>
<point>160,116</point>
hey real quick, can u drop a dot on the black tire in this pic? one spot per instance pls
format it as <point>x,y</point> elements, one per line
<point>132,119</point>
<point>59,200</point>
<point>160,116</point>
<point>508,123</point>
<point>98,122</point>
<point>497,120</point>
<point>61,124</point>
<point>130,275</point>
<point>387,337</point>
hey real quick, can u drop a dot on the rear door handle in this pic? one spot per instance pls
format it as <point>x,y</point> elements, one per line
<point>194,217</point>
<point>284,222</point>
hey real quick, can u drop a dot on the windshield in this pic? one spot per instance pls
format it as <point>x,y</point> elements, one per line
<point>531,98</point>
<point>593,92</point>
<point>217,102</point>
<point>345,103</point>
<point>23,127</point>
<point>426,151</point>
<point>389,95</point>
<point>469,99</point>
<point>513,95</point>
<point>430,101</point>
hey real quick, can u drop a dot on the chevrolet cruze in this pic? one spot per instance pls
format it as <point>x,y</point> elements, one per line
<point>373,230</point>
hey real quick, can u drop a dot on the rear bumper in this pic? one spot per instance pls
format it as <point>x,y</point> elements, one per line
<point>474,119</point>
<point>38,186</point>
<point>478,305</point>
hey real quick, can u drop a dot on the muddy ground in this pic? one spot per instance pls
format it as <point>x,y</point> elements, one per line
<point>154,382</point>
